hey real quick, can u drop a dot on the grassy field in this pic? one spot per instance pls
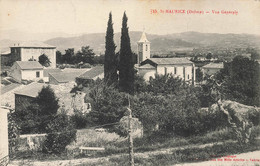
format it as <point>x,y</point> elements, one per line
<point>156,149</point>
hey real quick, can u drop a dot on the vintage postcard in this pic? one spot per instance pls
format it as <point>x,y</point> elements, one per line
<point>120,82</point>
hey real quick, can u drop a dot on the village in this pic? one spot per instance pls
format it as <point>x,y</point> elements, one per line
<point>131,98</point>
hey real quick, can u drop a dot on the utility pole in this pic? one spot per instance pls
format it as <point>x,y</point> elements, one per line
<point>130,138</point>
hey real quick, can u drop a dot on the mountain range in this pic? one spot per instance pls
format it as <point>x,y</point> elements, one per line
<point>159,43</point>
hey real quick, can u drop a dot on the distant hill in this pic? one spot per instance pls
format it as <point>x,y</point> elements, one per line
<point>159,43</point>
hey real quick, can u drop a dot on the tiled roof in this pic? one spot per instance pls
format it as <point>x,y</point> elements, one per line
<point>32,44</point>
<point>65,76</point>
<point>47,71</point>
<point>170,61</point>
<point>146,66</point>
<point>31,90</point>
<point>214,65</point>
<point>143,39</point>
<point>92,73</point>
<point>25,65</point>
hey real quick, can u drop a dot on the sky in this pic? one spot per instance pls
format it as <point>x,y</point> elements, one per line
<point>91,16</point>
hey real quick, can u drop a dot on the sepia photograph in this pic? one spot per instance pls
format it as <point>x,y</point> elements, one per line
<point>124,83</point>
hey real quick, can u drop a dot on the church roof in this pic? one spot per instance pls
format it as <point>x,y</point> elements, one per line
<point>143,39</point>
<point>170,61</point>
<point>146,66</point>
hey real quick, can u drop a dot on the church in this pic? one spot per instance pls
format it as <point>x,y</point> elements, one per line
<point>148,67</point>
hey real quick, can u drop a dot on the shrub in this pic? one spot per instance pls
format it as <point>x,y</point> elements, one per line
<point>79,119</point>
<point>61,133</point>
<point>41,81</point>
<point>4,74</point>
<point>86,65</point>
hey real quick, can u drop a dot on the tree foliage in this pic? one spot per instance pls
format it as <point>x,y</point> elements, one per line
<point>240,81</point>
<point>85,55</point>
<point>126,64</point>
<point>110,66</point>
<point>38,114</point>
<point>47,101</point>
<point>199,75</point>
<point>44,60</point>
<point>60,133</point>
<point>107,103</point>
<point>68,56</point>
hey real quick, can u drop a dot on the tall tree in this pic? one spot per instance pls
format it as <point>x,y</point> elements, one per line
<point>68,56</point>
<point>241,80</point>
<point>110,66</point>
<point>126,64</point>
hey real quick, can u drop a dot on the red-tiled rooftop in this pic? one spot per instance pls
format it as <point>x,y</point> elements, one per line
<point>93,72</point>
<point>66,76</point>
<point>26,65</point>
<point>31,90</point>
<point>170,61</point>
<point>47,71</point>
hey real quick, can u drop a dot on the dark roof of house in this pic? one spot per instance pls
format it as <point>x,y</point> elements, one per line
<point>31,90</point>
<point>214,66</point>
<point>27,65</point>
<point>32,44</point>
<point>93,72</point>
<point>146,66</point>
<point>169,61</point>
<point>47,71</point>
<point>65,76</point>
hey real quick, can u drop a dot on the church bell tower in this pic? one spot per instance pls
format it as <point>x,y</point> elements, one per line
<point>143,46</point>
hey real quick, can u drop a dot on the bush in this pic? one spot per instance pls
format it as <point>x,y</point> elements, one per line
<point>41,81</point>
<point>61,133</point>
<point>4,74</point>
<point>86,65</point>
<point>79,119</point>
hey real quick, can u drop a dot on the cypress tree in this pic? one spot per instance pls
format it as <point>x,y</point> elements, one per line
<point>110,65</point>
<point>126,63</point>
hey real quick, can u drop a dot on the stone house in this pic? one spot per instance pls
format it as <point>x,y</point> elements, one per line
<point>32,50</point>
<point>26,70</point>
<point>212,68</point>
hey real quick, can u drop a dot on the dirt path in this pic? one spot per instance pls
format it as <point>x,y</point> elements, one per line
<point>103,159</point>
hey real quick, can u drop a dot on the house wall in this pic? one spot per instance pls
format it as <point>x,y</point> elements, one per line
<point>143,72</point>
<point>4,158</point>
<point>15,72</point>
<point>210,71</point>
<point>27,53</point>
<point>22,102</point>
<point>31,74</point>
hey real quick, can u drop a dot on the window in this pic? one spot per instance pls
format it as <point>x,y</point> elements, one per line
<point>37,74</point>
<point>175,70</point>
<point>188,76</point>
<point>146,47</point>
